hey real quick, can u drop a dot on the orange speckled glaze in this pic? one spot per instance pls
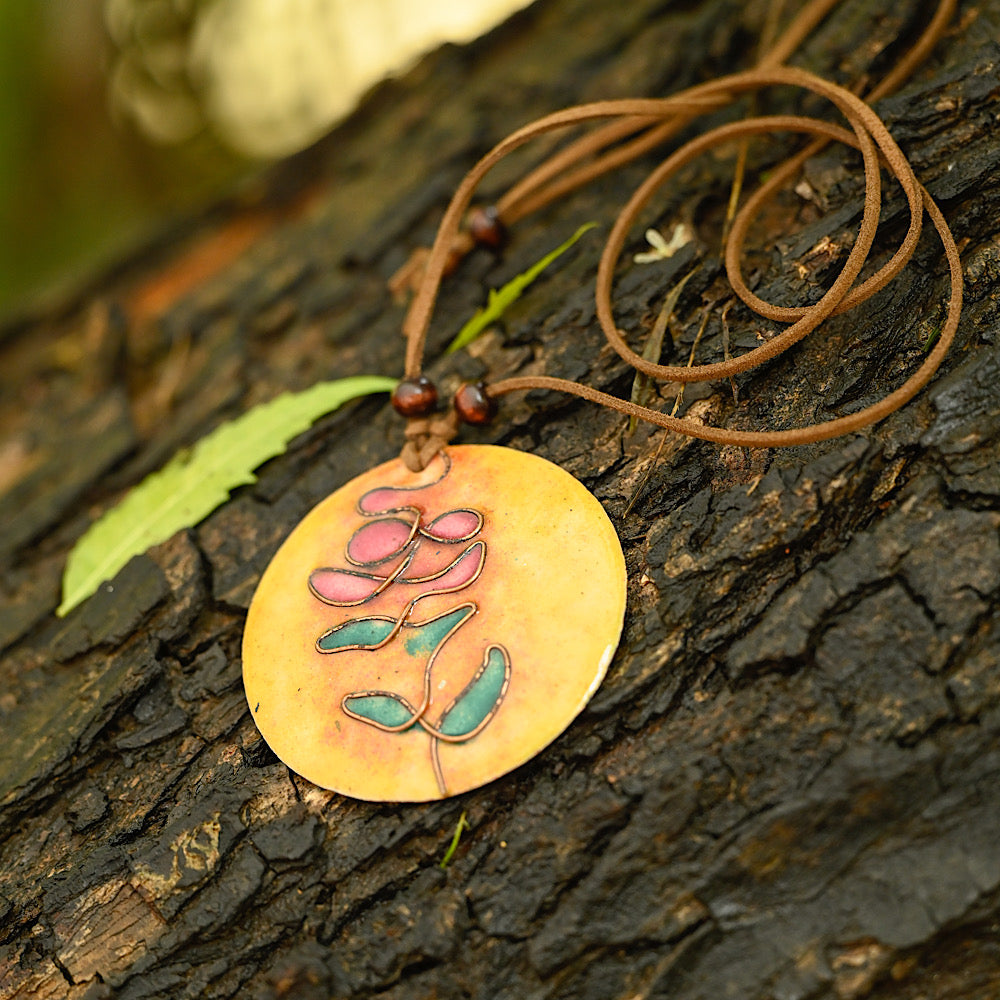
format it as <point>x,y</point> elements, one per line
<point>550,596</point>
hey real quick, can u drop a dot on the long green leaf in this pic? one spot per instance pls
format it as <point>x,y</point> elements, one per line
<point>465,716</point>
<point>498,300</point>
<point>463,824</point>
<point>193,483</point>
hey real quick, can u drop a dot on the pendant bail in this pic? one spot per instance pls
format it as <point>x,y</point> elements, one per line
<point>425,437</point>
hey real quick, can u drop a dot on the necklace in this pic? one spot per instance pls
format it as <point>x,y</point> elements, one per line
<point>440,619</point>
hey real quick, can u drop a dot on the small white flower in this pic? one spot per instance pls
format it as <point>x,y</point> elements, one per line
<point>662,250</point>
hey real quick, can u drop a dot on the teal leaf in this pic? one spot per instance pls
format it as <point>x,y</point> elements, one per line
<point>423,638</point>
<point>498,301</point>
<point>363,632</point>
<point>482,696</point>
<point>380,708</point>
<point>193,483</point>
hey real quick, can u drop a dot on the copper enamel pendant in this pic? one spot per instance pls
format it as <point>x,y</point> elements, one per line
<point>420,634</point>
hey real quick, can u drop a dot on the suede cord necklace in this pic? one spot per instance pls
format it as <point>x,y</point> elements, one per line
<point>492,584</point>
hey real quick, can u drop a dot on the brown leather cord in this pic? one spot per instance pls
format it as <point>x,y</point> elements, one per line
<point>661,118</point>
<point>779,177</point>
<point>559,175</point>
<point>861,117</point>
<point>799,435</point>
<point>534,191</point>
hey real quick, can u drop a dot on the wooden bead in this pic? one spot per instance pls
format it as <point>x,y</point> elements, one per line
<point>414,397</point>
<point>451,263</point>
<point>473,405</point>
<point>486,229</point>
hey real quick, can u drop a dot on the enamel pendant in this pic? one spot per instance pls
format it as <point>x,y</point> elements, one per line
<point>421,634</point>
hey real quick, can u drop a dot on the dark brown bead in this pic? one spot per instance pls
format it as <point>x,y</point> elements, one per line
<point>486,229</point>
<point>451,263</point>
<point>414,397</point>
<point>473,405</point>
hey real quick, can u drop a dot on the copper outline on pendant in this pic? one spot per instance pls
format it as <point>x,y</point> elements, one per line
<point>386,536</point>
<point>432,697</point>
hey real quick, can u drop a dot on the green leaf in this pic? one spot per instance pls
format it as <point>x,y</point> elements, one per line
<point>498,301</point>
<point>422,638</point>
<point>382,708</point>
<point>363,632</point>
<point>463,824</point>
<point>473,708</point>
<point>196,481</point>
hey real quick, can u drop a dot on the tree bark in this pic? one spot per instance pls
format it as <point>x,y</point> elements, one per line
<point>786,786</point>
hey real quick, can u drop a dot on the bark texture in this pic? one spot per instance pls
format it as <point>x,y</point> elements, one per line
<point>786,787</point>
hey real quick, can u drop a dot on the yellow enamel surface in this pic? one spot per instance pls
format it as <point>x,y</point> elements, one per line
<point>552,592</point>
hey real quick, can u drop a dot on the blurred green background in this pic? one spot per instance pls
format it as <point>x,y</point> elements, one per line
<point>116,115</point>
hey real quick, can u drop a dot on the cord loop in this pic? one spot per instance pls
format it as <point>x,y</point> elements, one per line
<point>638,125</point>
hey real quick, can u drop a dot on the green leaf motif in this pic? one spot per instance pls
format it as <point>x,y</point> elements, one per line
<point>193,483</point>
<point>498,301</point>
<point>422,638</point>
<point>363,632</point>
<point>383,709</point>
<point>466,715</point>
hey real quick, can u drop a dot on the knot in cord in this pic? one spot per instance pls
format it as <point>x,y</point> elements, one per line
<point>426,436</point>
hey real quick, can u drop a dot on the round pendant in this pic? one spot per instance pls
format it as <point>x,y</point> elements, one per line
<point>420,634</point>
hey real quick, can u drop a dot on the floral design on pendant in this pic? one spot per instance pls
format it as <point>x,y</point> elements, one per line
<point>390,552</point>
<point>420,634</point>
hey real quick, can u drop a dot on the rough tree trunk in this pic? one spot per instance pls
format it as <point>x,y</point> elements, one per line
<point>787,786</point>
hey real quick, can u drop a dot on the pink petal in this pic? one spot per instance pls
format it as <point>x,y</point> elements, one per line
<point>342,587</point>
<point>383,500</point>
<point>428,559</point>
<point>461,572</point>
<point>378,541</point>
<point>454,526</point>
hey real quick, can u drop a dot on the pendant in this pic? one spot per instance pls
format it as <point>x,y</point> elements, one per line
<point>420,634</point>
